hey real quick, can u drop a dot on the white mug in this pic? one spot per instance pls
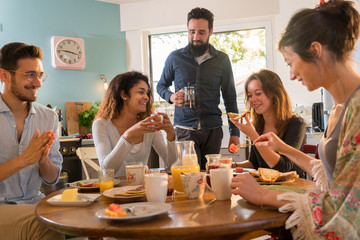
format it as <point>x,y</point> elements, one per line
<point>220,182</point>
<point>135,174</point>
<point>156,186</point>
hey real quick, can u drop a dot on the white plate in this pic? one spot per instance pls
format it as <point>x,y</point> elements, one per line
<point>276,183</point>
<point>245,170</point>
<point>83,201</point>
<point>141,210</point>
<point>111,192</point>
<point>75,185</point>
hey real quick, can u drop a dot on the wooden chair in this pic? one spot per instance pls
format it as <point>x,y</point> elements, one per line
<point>86,155</point>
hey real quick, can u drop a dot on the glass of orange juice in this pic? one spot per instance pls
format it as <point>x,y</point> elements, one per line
<point>106,179</point>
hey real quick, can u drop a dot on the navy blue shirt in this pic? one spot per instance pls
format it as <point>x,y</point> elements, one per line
<point>209,78</point>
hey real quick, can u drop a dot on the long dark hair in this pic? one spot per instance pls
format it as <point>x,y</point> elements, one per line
<point>274,89</point>
<point>334,24</point>
<point>112,104</point>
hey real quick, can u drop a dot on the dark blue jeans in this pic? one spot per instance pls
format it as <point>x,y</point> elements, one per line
<point>206,142</point>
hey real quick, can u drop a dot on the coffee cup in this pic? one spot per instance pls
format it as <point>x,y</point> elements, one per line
<point>158,118</point>
<point>193,184</point>
<point>135,174</point>
<point>156,187</point>
<point>220,182</point>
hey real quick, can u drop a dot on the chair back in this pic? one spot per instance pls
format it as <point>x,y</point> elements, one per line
<point>311,149</point>
<point>86,155</point>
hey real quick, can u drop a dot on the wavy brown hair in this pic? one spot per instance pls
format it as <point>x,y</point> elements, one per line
<point>274,89</point>
<point>334,24</point>
<point>112,104</point>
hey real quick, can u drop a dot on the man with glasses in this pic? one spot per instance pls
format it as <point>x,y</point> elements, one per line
<point>29,148</point>
<point>209,71</point>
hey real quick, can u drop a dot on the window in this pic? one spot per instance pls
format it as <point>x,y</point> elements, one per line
<point>249,50</point>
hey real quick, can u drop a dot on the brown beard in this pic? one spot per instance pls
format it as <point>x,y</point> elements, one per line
<point>197,51</point>
<point>14,90</point>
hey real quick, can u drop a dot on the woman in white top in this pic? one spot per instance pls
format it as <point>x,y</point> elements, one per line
<point>124,130</point>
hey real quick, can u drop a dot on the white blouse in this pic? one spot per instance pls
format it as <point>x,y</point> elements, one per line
<point>115,152</point>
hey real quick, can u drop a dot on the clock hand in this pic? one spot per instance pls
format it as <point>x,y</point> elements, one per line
<point>69,52</point>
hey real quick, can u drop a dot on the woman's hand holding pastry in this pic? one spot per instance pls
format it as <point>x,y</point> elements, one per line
<point>246,127</point>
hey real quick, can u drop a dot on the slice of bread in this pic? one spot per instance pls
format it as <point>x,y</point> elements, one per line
<point>254,173</point>
<point>287,176</point>
<point>268,175</point>
<point>236,116</point>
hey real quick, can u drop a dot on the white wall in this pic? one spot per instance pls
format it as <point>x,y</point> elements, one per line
<point>169,15</point>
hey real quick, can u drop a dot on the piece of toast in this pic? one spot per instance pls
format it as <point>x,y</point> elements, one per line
<point>236,116</point>
<point>133,192</point>
<point>287,176</point>
<point>268,175</point>
<point>254,173</point>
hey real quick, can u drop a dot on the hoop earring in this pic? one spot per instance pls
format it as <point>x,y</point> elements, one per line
<point>125,99</point>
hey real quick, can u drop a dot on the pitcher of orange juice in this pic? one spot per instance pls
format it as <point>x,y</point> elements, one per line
<point>186,162</point>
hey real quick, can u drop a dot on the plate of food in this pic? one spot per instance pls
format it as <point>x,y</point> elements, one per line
<point>70,198</point>
<point>132,210</point>
<point>135,191</point>
<point>239,170</point>
<point>267,176</point>
<point>89,183</point>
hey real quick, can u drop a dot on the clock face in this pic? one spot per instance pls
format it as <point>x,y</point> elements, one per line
<point>68,51</point>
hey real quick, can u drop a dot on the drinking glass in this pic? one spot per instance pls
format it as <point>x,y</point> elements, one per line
<point>106,179</point>
<point>212,163</point>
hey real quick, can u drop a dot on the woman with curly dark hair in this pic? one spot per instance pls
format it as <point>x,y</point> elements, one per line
<point>124,129</point>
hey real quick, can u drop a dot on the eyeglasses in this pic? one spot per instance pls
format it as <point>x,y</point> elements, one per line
<point>32,76</point>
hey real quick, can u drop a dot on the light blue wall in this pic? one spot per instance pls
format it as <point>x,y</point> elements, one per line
<point>36,21</point>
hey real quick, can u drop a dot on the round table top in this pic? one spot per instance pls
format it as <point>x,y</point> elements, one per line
<point>186,218</point>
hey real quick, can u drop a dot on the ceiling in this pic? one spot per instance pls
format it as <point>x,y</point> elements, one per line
<point>122,1</point>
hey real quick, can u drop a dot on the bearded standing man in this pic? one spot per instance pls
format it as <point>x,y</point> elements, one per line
<point>200,65</point>
<point>29,148</point>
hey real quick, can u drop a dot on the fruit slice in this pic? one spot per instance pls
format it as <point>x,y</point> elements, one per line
<point>233,148</point>
<point>114,207</point>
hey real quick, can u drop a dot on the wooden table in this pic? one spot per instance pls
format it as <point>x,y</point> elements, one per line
<point>187,219</point>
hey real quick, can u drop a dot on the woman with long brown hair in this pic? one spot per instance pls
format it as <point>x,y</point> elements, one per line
<point>124,129</point>
<point>271,111</point>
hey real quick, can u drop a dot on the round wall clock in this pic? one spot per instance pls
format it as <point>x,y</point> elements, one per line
<point>67,52</point>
